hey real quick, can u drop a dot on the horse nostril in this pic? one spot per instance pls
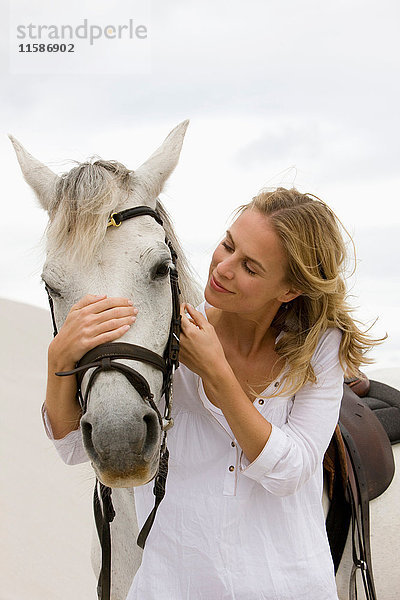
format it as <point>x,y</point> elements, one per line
<point>87,429</point>
<point>153,429</point>
<point>140,439</point>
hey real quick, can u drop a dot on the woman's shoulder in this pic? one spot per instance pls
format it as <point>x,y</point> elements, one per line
<point>329,339</point>
<point>327,350</point>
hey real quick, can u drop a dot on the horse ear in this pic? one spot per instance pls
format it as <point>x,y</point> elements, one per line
<point>149,179</point>
<point>41,179</point>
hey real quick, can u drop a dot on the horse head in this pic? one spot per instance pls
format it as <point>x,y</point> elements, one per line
<point>121,430</point>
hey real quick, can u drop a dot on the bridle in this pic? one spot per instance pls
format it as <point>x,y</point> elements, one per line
<point>103,358</point>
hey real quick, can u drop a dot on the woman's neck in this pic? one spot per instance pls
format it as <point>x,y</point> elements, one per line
<point>244,334</point>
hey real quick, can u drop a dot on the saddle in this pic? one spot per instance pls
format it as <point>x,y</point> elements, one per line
<point>359,465</point>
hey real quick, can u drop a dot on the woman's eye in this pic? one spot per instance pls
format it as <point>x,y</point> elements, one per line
<point>246,268</point>
<point>227,247</point>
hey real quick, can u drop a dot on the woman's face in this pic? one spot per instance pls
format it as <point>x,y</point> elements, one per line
<point>247,271</point>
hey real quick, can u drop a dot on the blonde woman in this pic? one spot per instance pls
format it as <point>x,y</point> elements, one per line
<point>257,398</point>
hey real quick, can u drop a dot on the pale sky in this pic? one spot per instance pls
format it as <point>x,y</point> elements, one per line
<point>278,93</point>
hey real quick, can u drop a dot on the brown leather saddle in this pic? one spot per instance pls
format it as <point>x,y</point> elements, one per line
<point>359,465</point>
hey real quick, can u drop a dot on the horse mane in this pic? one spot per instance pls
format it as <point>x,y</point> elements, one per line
<point>84,198</point>
<point>189,285</point>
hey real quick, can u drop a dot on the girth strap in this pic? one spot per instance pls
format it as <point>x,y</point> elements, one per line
<point>357,489</point>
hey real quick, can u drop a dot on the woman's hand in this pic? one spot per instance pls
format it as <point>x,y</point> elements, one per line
<point>93,320</point>
<point>200,349</point>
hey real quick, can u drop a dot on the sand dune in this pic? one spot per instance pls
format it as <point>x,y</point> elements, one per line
<point>46,512</point>
<point>45,506</point>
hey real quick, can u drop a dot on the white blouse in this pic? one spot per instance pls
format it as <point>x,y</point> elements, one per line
<point>228,529</point>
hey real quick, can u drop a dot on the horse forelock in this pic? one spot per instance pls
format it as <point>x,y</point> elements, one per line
<point>84,198</point>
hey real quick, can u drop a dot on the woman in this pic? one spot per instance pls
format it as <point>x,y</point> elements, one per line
<point>258,394</point>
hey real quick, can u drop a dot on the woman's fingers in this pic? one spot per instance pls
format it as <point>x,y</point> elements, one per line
<point>110,336</point>
<point>194,317</point>
<point>102,304</point>
<point>92,310</point>
<point>86,300</point>
<point>94,320</point>
<point>110,303</point>
<point>114,320</point>
<point>97,304</point>
<point>113,324</point>
<point>112,314</point>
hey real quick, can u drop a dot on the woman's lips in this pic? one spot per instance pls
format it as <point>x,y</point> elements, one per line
<point>218,287</point>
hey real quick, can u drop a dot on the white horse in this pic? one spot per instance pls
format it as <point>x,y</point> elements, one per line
<point>84,256</point>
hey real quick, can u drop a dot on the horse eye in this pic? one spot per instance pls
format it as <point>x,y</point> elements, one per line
<point>162,270</point>
<point>53,293</point>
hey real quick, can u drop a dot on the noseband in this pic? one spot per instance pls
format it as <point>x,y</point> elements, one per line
<point>103,358</point>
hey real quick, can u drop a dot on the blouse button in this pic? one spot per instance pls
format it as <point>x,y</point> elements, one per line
<point>261,401</point>
<point>276,383</point>
<point>233,444</point>
<point>231,468</point>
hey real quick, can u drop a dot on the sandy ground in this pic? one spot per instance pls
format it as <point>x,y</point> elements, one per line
<point>45,506</point>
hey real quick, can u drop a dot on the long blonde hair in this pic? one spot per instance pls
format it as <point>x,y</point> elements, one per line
<point>316,253</point>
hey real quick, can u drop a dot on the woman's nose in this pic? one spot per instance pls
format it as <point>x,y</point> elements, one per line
<point>224,268</point>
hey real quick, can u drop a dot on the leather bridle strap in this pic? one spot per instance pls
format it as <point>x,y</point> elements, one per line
<point>103,518</point>
<point>102,358</point>
<point>53,319</point>
<point>137,211</point>
<point>124,350</point>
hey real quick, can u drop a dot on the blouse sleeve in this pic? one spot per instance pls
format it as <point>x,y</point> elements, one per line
<point>294,451</point>
<point>70,448</point>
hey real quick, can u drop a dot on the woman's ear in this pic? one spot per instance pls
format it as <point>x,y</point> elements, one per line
<point>290,295</point>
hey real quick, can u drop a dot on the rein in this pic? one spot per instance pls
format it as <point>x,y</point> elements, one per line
<point>103,358</point>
